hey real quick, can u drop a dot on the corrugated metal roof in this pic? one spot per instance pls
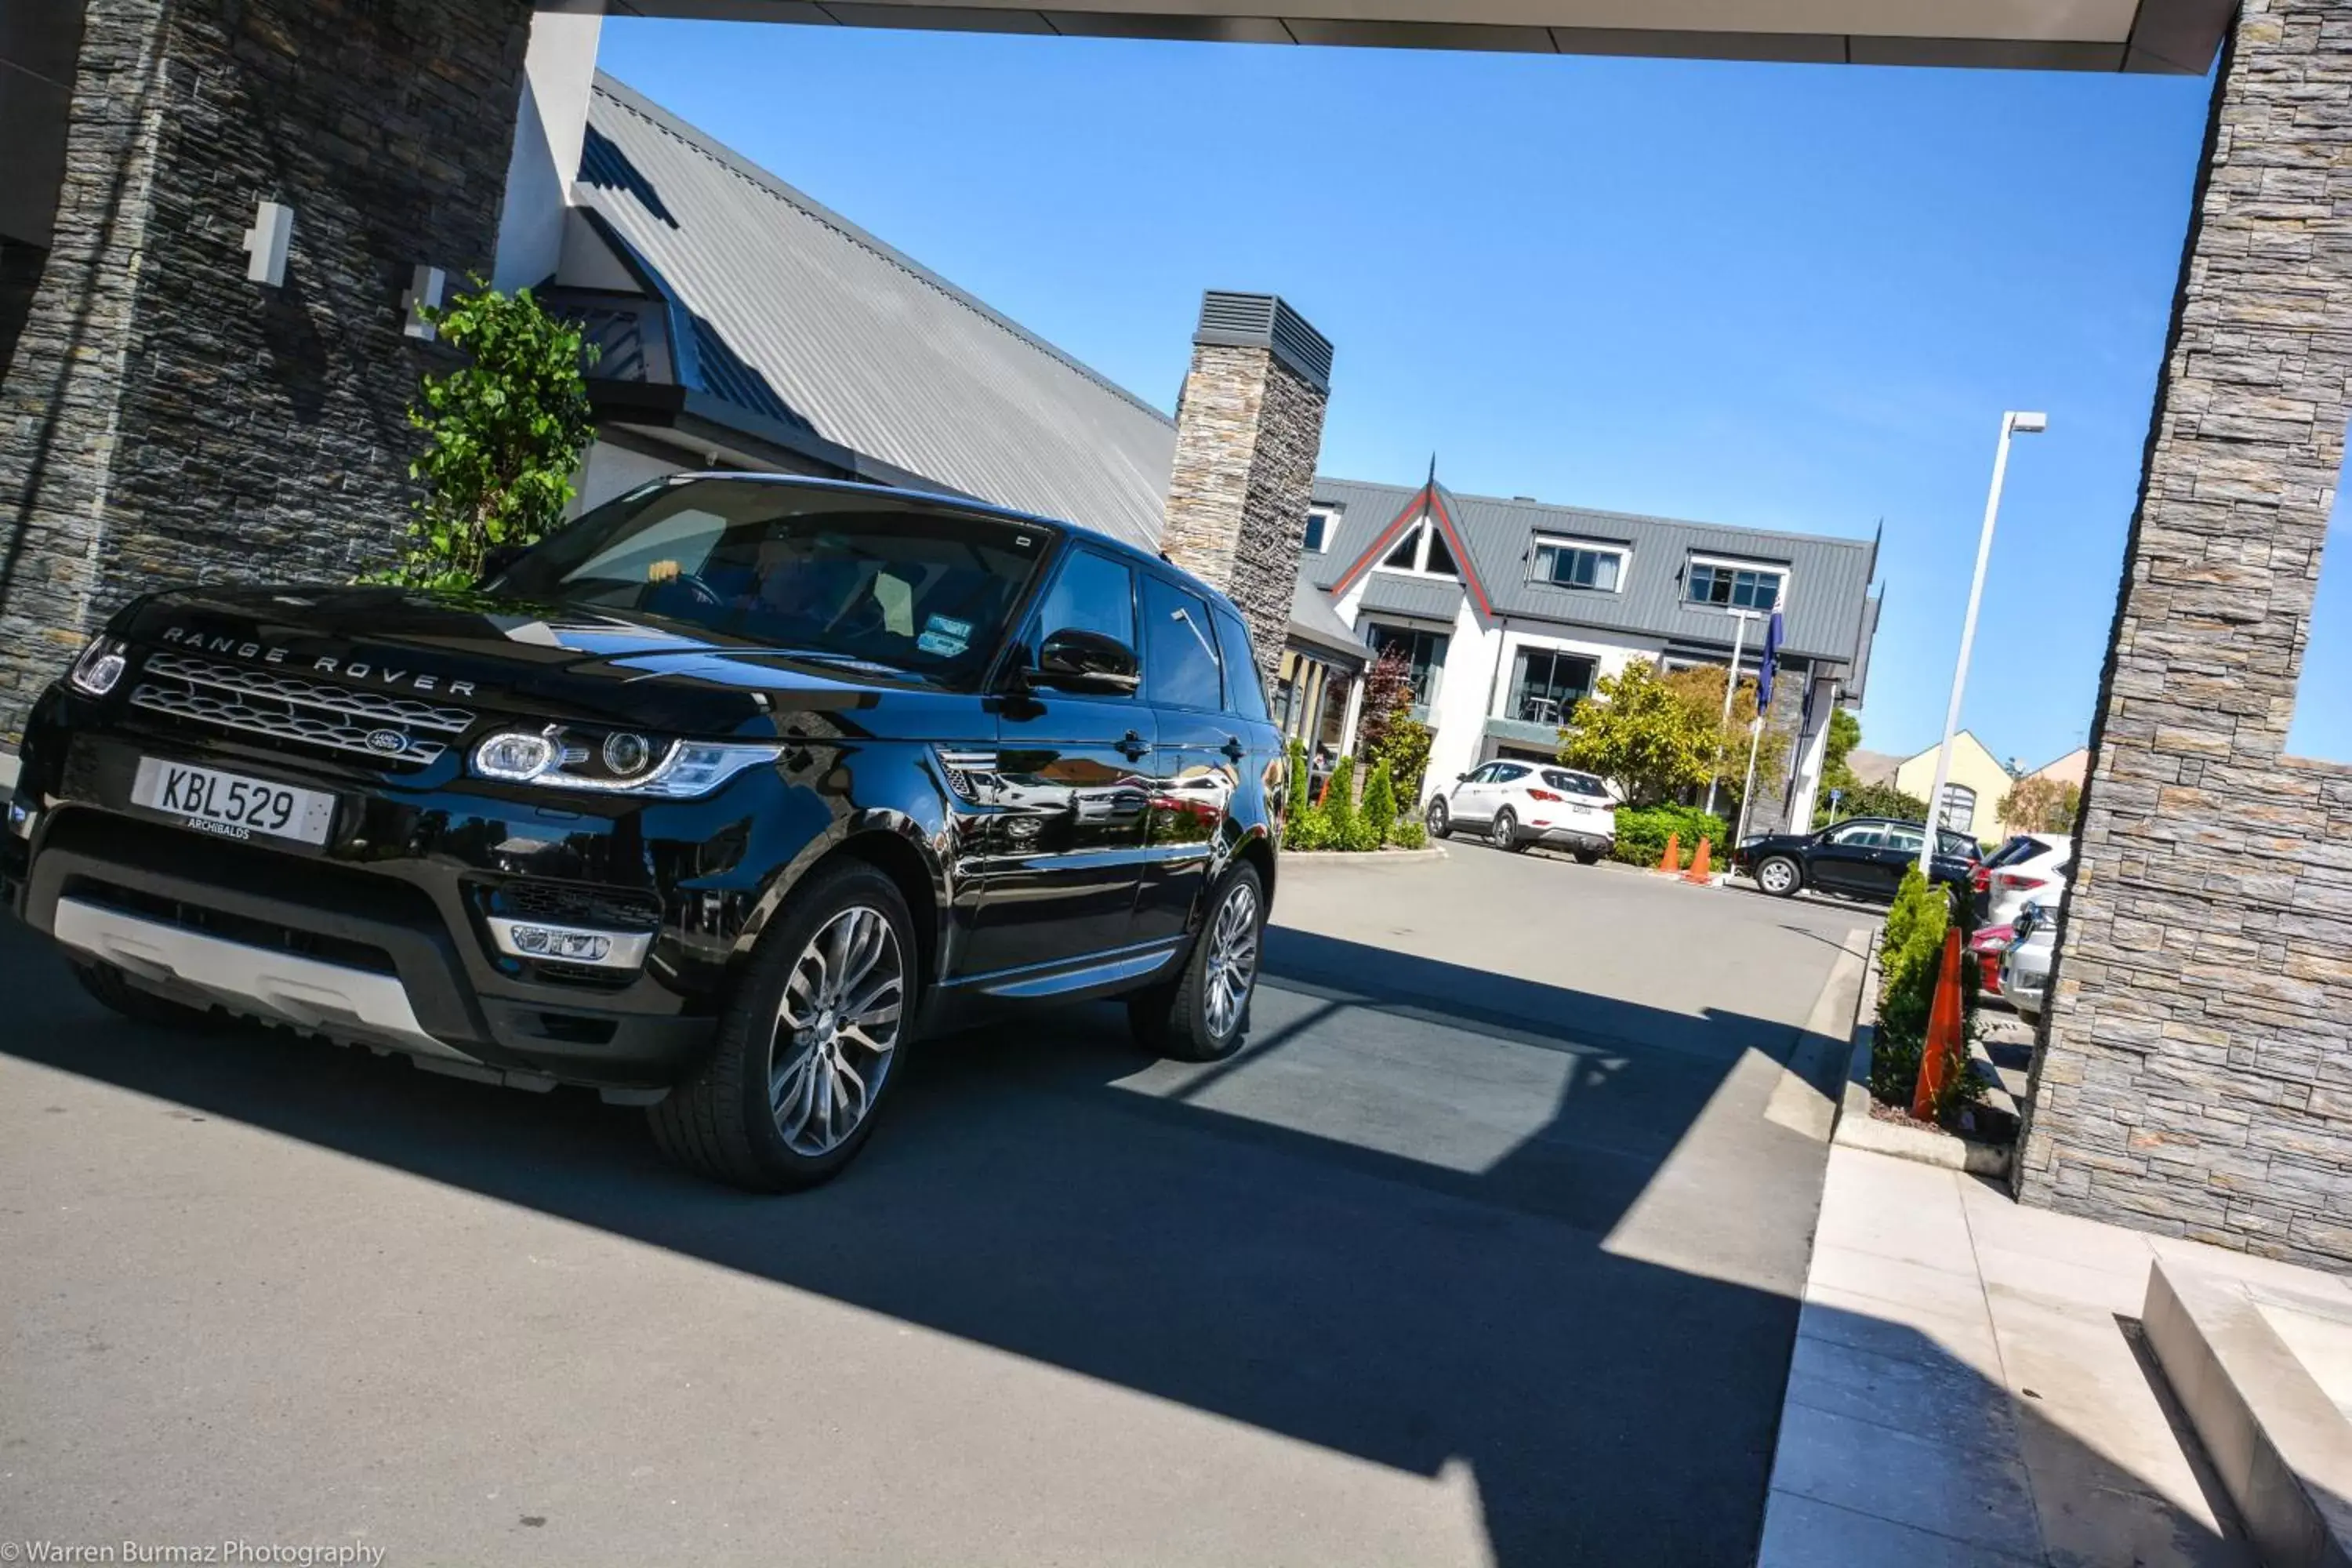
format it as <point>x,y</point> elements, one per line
<point>874,350</point>
<point>1426,598</point>
<point>1316,619</point>
<point>1829,578</point>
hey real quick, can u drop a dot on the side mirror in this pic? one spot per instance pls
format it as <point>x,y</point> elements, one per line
<point>1075,660</point>
<point>498,558</point>
<point>1459,778</point>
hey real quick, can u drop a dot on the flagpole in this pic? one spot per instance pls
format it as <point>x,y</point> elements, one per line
<point>1755,737</point>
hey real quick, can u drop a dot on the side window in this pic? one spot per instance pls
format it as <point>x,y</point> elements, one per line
<point>1245,688</point>
<point>1910,841</point>
<point>1180,649</point>
<point>1092,593</point>
<point>1863,836</point>
<point>1508,772</point>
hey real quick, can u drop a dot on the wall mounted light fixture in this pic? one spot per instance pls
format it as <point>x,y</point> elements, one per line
<point>426,287</point>
<point>266,241</point>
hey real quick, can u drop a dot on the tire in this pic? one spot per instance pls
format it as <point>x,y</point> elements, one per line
<point>1779,876</point>
<point>1439,821</point>
<point>742,1119</point>
<point>108,985</point>
<point>1185,1021</point>
<point>1504,830</point>
<point>1587,857</point>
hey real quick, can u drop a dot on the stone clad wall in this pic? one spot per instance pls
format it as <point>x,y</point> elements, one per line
<point>2194,1071</point>
<point>165,419</point>
<point>1247,434</point>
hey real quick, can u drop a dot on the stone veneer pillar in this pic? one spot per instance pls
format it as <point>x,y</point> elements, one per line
<point>1248,430</point>
<point>2194,1075</point>
<point>164,419</point>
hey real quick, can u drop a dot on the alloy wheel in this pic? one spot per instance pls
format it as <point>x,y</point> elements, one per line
<point>1232,959</point>
<point>1436,818</point>
<point>838,1027</point>
<point>1777,876</point>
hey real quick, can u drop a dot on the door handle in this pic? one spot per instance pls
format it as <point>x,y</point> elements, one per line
<point>1133,747</point>
<point>1233,749</point>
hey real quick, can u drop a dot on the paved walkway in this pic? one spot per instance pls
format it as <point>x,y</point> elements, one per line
<point>1970,1386</point>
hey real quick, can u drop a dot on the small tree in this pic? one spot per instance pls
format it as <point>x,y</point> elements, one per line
<point>1642,732</point>
<point>1379,813</point>
<point>1845,734</point>
<point>1701,686</point>
<point>2038,804</point>
<point>1388,732</point>
<point>1873,800</point>
<point>503,436</point>
<point>1339,803</point>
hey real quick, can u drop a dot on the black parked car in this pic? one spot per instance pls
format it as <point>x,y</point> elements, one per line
<point>1864,857</point>
<point>713,801</point>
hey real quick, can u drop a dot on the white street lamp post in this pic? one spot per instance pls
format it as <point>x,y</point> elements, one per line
<point>2010,424</point>
<point>1730,686</point>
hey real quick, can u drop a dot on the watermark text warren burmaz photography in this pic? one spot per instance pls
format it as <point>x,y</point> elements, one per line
<point>290,1553</point>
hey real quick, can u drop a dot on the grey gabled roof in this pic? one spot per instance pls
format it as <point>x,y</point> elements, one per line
<point>1829,577</point>
<point>874,351</point>
<point>1315,619</point>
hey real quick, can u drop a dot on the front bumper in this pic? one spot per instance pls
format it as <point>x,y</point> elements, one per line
<point>383,936</point>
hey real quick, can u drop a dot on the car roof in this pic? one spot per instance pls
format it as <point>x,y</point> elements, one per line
<point>1093,537</point>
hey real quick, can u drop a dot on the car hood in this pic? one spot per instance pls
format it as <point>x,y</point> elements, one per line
<point>552,661</point>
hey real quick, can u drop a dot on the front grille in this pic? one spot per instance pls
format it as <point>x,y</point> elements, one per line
<point>394,730</point>
<point>557,903</point>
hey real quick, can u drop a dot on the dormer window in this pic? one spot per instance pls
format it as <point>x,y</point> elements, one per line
<point>1571,564</point>
<point>1421,550</point>
<point>1320,521</point>
<point>1733,585</point>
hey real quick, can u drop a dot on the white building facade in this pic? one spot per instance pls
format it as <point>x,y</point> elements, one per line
<point>1510,612</point>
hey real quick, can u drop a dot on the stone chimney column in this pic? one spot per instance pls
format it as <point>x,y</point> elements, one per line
<point>1247,433</point>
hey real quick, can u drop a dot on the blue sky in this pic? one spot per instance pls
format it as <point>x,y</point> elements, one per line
<point>1782,297</point>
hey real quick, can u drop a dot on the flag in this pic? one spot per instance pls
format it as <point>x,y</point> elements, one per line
<point>1771,665</point>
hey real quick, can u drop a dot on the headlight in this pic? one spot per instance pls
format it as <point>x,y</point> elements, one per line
<point>620,763</point>
<point>99,667</point>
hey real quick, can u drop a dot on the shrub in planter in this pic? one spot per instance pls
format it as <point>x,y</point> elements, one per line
<point>1379,812</point>
<point>1407,834</point>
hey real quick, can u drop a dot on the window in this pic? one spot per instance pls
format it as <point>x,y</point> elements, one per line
<point>1319,524</point>
<point>1245,688</point>
<point>1424,652</point>
<point>1861,835</point>
<point>1507,773</point>
<point>1579,565</point>
<point>1094,593</point>
<point>1179,654</point>
<point>1576,783</point>
<point>1733,587</point>
<point>1420,549</point>
<point>1959,813</point>
<point>1548,685</point>
<point>1908,839</point>
<point>900,583</point>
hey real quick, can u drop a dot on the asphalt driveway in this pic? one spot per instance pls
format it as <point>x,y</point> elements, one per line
<point>1486,1250</point>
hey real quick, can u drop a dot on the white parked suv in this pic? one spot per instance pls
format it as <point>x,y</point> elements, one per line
<point>1520,804</point>
<point>2029,869</point>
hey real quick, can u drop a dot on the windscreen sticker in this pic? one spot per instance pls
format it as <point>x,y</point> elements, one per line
<point>945,636</point>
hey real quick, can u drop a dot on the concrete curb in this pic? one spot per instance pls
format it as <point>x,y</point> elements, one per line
<point>1364,856</point>
<point>1857,1129</point>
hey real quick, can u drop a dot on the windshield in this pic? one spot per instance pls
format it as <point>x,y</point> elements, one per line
<point>1576,783</point>
<point>874,579</point>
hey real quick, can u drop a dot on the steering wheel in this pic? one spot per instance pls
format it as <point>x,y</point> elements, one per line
<point>709,597</point>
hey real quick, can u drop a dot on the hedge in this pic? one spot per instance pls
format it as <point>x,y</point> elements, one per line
<point>1642,833</point>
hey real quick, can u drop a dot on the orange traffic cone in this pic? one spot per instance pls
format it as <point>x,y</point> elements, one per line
<point>1945,1052</point>
<point>1672,860</point>
<point>1698,872</point>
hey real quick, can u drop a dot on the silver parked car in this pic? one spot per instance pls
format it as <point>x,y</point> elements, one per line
<point>2025,966</point>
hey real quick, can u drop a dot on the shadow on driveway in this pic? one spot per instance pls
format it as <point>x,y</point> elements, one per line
<point>1368,1233</point>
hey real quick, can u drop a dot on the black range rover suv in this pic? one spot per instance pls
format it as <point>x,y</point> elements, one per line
<point>713,801</point>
